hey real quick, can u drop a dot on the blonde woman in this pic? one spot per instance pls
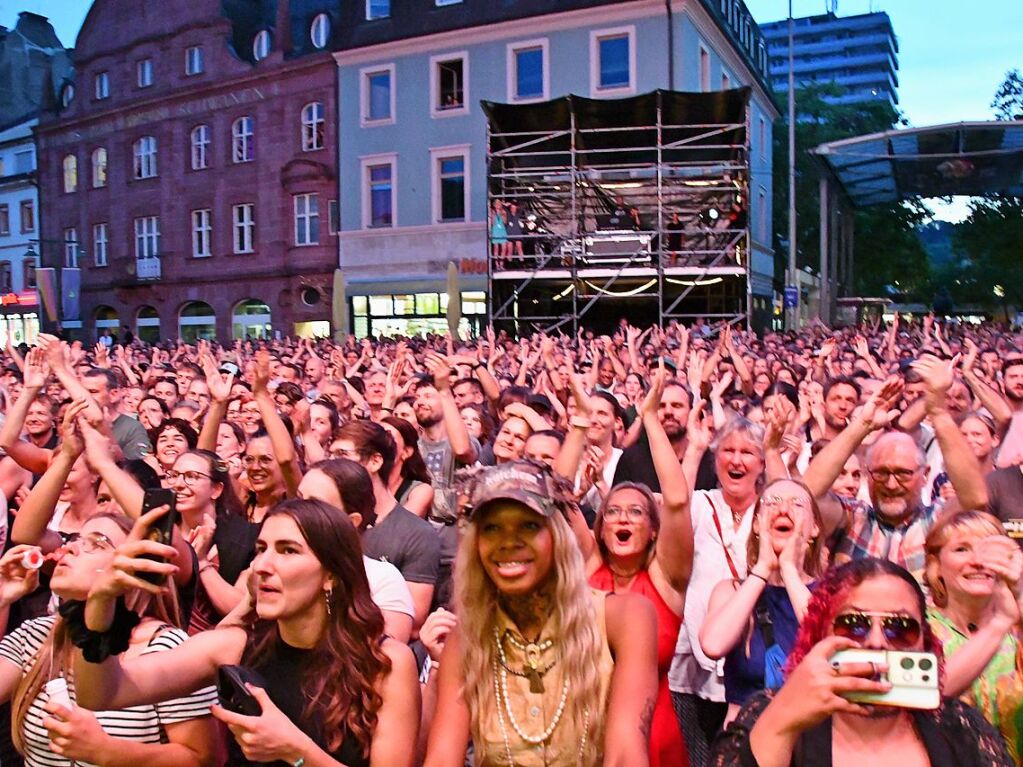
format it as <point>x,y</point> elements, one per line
<point>973,572</point>
<point>540,669</point>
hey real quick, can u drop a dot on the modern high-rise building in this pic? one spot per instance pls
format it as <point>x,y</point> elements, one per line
<point>859,53</point>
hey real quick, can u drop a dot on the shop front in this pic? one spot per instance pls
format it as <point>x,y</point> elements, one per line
<point>415,313</point>
<point>19,318</point>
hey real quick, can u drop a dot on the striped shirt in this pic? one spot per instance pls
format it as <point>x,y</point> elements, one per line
<point>144,724</point>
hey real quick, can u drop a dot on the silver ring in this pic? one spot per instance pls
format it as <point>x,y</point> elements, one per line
<point>873,669</point>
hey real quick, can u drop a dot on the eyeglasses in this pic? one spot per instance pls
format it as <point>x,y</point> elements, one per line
<point>777,502</point>
<point>263,461</point>
<point>632,513</point>
<point>190,477</point>
<point>351,455</point>
<point>901,631</point>
<point>902,476</point>
<point>92,544</point>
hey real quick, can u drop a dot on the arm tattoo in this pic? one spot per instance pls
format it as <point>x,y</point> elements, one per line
<point>646,718</point>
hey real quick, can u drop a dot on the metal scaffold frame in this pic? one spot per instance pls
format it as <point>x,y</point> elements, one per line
<point>618,205</point>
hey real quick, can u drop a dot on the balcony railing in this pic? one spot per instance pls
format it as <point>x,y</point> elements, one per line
<point>147,268</point>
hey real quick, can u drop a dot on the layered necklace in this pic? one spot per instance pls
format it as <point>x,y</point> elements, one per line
<point>532,671</point>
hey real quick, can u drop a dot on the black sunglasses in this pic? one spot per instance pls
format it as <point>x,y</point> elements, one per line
<point>901,631</point>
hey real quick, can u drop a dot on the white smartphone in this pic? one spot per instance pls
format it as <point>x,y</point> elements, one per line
<point>913,676</point>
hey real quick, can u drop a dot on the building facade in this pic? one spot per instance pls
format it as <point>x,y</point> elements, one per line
<point>189,171</point>
<point>859,53</point>
<point>33,66</point>
<point>412,150</point>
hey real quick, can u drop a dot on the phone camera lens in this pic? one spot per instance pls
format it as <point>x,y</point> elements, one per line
<point>907,663</point>
<point>925,664</point>
<point>925,677</point>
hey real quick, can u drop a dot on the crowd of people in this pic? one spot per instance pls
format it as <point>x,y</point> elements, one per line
<point>641,548</point>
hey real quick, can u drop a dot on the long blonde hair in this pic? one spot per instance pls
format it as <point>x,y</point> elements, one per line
<point>573,620</point>
<point>54,654</point>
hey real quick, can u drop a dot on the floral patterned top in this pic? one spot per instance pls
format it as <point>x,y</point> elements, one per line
<point>998,691</point>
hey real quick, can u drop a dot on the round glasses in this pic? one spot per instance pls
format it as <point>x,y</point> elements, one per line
<point>901,631</point>
<point>189,477</point>
<point>632,513</point>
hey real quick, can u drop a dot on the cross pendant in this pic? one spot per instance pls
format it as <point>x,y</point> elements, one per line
<point>535,680</point>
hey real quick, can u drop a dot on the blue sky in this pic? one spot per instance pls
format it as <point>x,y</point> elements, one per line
<point>952,54</point>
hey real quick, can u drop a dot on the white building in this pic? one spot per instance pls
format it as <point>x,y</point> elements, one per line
<point>19,227</point>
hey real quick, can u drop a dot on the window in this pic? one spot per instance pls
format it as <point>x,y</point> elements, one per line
<point>378,192</point>
<point>313,126</point>
<point>378,95</point>
<point>704,69</point>
<point>99,244</point>
<point>613,61</point>
<point>70,168</point>
<point>202,233</point>
<point>242,140</point>
<point>762,214</point>
<point>449,182</point>
<point>377,9</point>
<point>147,237</point>
<point>726,81</point>
<point>67,95</point>
<point>762,135</point>
<point>307,219</point>
<point>102,86</point>
<point>145,73</point>
<point>23,162</point>
<point>440,3</point>
<point>319,31</point>
<point>448,81</point>
<point>6,283</point>
<point>528,78</point>
<point>261,45</point>
<point>99,167</point>
<point>71,248</point>
<point>28,267</point>
<point>28,216</point>
<point>5,219</point>
<point>145,157</point>
<point>200,138</point>
<point>244,217</point>
<point>194,61</point>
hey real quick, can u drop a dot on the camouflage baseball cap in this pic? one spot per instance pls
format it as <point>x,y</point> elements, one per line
<point>523,481</point>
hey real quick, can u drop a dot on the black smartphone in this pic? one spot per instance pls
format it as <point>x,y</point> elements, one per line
<point>232,692</point>
<point>162,530</point>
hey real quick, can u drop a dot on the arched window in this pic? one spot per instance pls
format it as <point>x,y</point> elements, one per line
<point>99,167</point>
<point>261,45</point>
<point>319,32</point>
<point>70,167</point>
<point>67,95</point>
<point>243,139</point>
<point>145,157</point>
<point>251,319</point>
<point>196,320</point>
<point>313,126</point>
<point>200,137</point>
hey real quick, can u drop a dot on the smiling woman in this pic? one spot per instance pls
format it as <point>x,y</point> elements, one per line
<point>525,675</point>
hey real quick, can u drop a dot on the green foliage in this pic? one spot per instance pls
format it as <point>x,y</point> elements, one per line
<point>992,239</point>
<point>887,250</point>
<point>1008,102</point>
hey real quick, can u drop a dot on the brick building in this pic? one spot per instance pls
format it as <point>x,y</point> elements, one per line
<point>190,169</point>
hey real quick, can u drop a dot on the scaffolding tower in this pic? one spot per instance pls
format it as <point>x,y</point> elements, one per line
<point>606,208</point>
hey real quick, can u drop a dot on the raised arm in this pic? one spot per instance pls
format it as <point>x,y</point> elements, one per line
<point>280,439</point>
<point>25,454</point>
<point>454,426</point>
<point>674,552</point>
<point>962,466</point>
<point>220,393</point>
<point>571,453</point>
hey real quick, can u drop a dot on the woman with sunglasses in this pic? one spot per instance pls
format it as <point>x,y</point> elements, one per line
<point>36,658</point>
<point>973,572</point>
<point>872,604</point>
<point>752,623</point>
<point>540,669</point>
<point>638,547</point>
<point>336,692</point>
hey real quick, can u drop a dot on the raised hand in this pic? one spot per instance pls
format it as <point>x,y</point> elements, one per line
<point>261,371</point>
<point>122,575</point>
<point>879,410</point>
<point>37,370</point>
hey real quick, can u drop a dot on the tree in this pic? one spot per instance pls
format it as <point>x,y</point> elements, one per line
<point>1008,102</point>
<point>886,248</point>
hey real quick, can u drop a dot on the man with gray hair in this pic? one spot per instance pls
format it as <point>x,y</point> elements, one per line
<point>895,524</point>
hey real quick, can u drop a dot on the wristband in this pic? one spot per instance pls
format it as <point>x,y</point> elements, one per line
<point>757,575</point>
<point>477,365</point>
<point>580,422</point>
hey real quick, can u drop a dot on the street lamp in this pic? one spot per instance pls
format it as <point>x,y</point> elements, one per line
<point>793,277</point>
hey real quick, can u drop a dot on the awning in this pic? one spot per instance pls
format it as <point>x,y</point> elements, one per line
<point>968,158</point>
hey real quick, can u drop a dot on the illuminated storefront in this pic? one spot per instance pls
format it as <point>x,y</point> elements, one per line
<point>410,314</point>
<point>19,318</point>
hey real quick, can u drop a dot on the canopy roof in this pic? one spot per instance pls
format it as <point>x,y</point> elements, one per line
<point>968,158</point>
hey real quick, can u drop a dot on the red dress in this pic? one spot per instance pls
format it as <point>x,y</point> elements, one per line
<point>667,747</point>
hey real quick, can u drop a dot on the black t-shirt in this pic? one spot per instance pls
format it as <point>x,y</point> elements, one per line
<point>637,465</point>
<point>287,670</point>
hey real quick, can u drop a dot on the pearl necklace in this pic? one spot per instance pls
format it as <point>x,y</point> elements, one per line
<point>501,693</point>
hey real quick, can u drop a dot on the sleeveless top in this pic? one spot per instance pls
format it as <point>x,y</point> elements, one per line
<point>534,712</point>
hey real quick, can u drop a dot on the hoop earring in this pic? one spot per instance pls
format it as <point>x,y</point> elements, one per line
<point>327,596</point>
